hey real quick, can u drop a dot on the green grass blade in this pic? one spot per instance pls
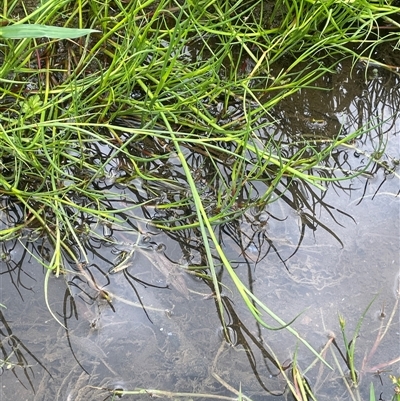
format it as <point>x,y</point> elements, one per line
<point>29,31</point>
<point>372,392</point>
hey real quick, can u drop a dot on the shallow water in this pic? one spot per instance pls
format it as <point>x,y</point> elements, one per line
<point>318,254</point>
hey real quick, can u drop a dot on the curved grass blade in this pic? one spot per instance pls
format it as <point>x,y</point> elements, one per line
<point>46,298</point>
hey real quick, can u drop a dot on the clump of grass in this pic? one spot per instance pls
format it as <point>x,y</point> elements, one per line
<point>350,346</point>
<point>354,375</point>
<point>96,129</point>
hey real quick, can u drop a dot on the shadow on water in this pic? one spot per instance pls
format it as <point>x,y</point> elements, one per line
<point>16,356</point>
<point>140,313</point>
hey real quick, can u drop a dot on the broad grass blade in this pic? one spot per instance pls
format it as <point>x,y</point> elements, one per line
<point>25,31</point>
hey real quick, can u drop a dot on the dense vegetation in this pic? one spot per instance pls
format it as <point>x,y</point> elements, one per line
<point>167,104</point>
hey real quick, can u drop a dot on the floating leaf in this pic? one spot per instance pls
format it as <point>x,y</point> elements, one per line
<point>23,31</point>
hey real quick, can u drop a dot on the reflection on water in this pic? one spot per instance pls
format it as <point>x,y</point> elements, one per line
<point>140,314</point>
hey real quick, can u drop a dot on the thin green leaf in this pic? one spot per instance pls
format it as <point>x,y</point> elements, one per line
<point>372,392</point>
